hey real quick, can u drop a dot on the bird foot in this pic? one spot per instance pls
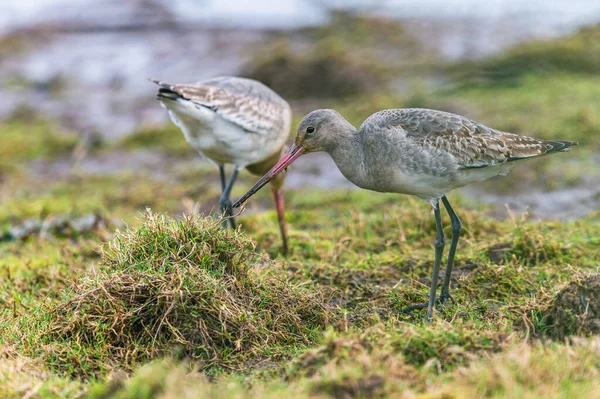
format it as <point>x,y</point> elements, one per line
<point>441,300</point>
<point>445,297</point>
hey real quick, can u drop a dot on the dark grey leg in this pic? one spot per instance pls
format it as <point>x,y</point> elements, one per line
<point>456,229</point>
<point>225,201</point>
<point>222,176</point>
<point>223,185</point>
<point>439,248</point>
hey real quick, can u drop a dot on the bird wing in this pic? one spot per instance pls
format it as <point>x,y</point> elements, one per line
<point>243,102</point>
<point>472,144</point>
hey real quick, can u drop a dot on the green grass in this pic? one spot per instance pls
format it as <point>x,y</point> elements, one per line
<point>186,286</point>
<point>40,139</point>
<point>365,261</point>
<point>168,139</point>
<point>365,255</point>
<point>172,306</point>
<point>25,141</point>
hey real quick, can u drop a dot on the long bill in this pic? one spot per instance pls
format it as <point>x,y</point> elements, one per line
<point>285,161</point>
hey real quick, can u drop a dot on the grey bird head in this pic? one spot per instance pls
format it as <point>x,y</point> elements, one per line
<point>320,129</point>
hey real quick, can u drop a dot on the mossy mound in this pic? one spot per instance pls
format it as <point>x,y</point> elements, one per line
<point>187,288</point>
<point>576,308</point>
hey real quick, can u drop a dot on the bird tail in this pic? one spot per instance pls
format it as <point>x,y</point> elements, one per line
<point>165,91</point>
<point>540,147</point>
<point>560,145</point>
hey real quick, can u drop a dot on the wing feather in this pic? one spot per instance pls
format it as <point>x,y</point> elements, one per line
<point>243,102</point>
<point>472,144</point>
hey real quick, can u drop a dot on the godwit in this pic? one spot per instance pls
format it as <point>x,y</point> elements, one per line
<point>231,120</point>
<point>415,151</point>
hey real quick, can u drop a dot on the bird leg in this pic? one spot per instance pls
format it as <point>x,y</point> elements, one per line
<point>223,185</point>
<point>439,248</point>
<point>224,200</point>
<point>278,197</point>
<point>456,229</point>
<point>222,176</point>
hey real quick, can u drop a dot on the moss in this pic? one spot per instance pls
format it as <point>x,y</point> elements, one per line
<point>186,287</point>
<point>327,70</point>
<point>119,304</point>
<point>534,245</point>
<point>352,367</point>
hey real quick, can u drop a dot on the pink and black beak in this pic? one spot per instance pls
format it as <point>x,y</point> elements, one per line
<point>285,161</point>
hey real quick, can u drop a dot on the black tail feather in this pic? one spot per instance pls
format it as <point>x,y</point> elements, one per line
<point>560,145</point>
<point>165,91</point>
<point>167,94</point>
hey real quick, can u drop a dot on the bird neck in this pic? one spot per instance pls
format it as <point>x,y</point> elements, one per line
<point>347,152</point>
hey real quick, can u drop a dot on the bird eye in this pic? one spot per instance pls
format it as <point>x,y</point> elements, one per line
<point>310,129</point>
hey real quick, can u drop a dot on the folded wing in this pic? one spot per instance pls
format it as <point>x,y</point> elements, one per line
<point>472,144</point>
<point>243,102</point>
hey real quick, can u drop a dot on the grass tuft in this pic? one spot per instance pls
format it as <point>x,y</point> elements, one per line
<point>183,287</point>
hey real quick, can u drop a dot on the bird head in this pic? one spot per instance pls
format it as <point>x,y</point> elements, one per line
<point>317,132</point>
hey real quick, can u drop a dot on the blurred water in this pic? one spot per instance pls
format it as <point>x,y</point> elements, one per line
<point>542,16</point>
<point>89,71</point>
<point>91,74</point>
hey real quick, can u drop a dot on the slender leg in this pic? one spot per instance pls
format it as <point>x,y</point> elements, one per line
<point>225,201</point>
<point>222,176</point>
<point>439,248</point>
<point>278,197</point>
<point>223,185</point>
<point>456,229</point>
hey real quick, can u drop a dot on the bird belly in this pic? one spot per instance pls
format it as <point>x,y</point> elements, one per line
<point>429,186</point>
<point>422,185</point>
<point>195,122</point>
<point>242,147</point>
<point>218,139</point>
<point>476,175</point>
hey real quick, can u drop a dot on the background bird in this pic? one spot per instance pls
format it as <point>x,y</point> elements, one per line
<point>414,151</point>
<point>232,120</point>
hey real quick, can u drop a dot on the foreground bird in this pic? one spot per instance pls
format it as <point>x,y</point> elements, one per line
<point>415,151</point>
<point>232,120</point>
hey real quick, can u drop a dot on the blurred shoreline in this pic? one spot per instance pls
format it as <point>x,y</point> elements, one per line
<point>83,65</point>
